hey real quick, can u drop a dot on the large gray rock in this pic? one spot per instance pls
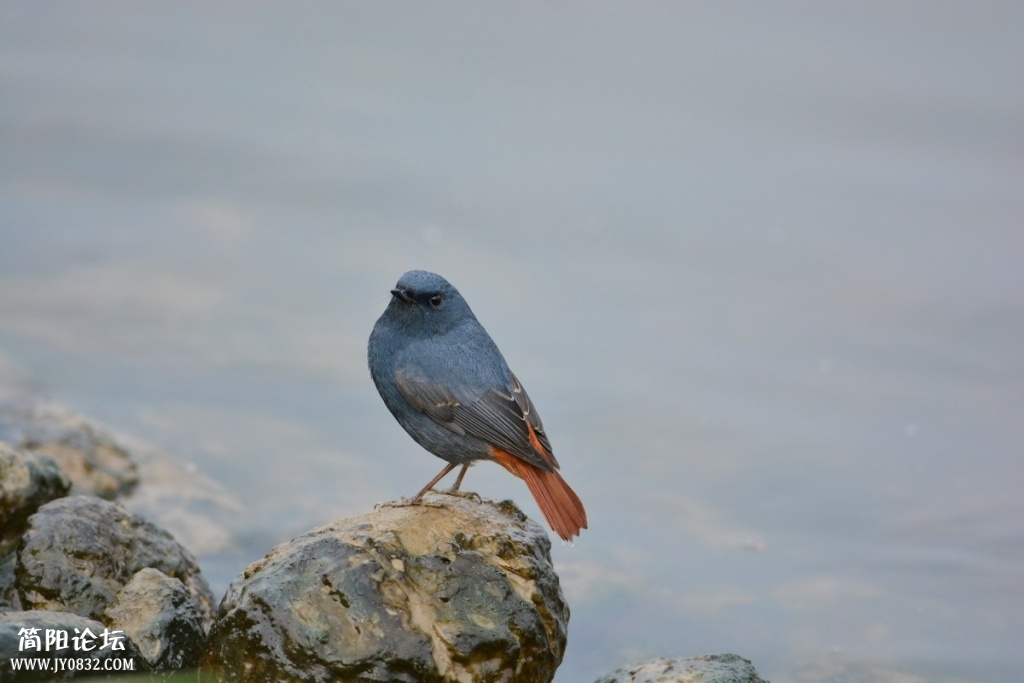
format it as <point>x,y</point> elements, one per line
<point>98,659</point>
<point>161,617</point>
<point>89,455</point>
<point>27,480</point>
<point>79,552</point>
<point>723,668</point>
<point>453,589</point>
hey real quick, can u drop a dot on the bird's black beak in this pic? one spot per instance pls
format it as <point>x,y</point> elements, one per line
<point>403,295</point>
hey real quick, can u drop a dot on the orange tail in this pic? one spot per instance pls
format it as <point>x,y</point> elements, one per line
<point>559,503</point>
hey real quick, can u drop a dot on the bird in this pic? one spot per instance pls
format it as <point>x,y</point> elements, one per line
<point>447,384</point>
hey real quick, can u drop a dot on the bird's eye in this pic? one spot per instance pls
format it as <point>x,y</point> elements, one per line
<point>436,300</point>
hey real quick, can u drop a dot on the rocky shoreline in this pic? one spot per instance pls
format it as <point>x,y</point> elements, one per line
<point>454,589</point>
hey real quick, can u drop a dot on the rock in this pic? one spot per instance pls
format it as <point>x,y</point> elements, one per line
<point>161,617</point>
<point>79,552</point>
<point>9,600</point>
<point>17,644</point>
<point>27,480</point>
<point>93,460</point>
<point>722,668</point>
<point>149,482</point>
<point>452,589</point>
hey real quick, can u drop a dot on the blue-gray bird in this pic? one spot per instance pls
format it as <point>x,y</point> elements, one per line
<point>445,381</point>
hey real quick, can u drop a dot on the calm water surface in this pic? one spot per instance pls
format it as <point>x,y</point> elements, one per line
<point>758,266</point>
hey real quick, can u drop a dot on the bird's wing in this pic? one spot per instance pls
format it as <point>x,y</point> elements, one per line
<point>435,400</point>
<point>503,417</point>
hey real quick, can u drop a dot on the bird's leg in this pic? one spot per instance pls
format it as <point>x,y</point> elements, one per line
<point>458,479</point>
<point>448,468</point>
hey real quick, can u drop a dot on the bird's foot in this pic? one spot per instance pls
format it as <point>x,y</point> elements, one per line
<point>471,495</point>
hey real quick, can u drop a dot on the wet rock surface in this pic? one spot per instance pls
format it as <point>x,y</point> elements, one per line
<point>86,452</point>
<point>721,668</point>
<point>453,589</point>
<point>79,552</point>
<point>161,617</point>
<point>14,645</point>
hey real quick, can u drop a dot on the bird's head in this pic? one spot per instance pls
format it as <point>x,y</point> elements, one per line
<point>426,304</point>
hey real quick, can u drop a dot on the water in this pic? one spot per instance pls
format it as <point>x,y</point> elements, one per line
<point>758,266</point>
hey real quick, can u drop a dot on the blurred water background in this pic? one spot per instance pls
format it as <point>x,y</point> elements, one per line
<point>758,264</point>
